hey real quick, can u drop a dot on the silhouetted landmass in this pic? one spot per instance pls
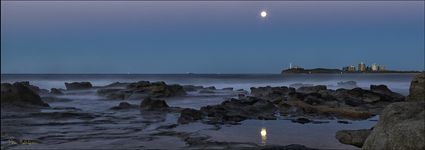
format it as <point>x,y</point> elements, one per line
<point>326,70</point>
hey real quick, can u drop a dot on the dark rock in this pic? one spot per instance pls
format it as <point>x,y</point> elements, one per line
<point>358,96</point>
<point>20,94</point>
<point>124,105</point>
<point>151,104</point>
<point>33,88</point>
<point>56,91</point>
<point>313,99</point>
<point>241,96</point>
<point>387,94</point>
<point>189,115</point>
<point>383,89</point>
<point>211,88</point>
<point>206,91</point>
<point>311,89</point>
<point>401,126</point>
<point>236,110</point>
<point>112,93</point>
<point>78,85</point>
<point>142,89</point>
<point>353,137</point>
<point>271,93</point>
<point>301,120</point>
<point>117,84</point>
<point>297,107</point>
<point>343,122</point>
<point>417,88</point>
<point>191,87</point>
<point>157,89</point>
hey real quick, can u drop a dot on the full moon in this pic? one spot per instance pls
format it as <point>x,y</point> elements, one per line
<point>263,14</point>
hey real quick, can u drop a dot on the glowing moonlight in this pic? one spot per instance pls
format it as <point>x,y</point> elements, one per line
<point>263,14</point>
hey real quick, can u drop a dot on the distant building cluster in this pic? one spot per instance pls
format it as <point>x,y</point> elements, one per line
<point>362,67</point>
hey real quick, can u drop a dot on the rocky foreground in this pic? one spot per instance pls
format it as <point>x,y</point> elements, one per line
<point>400,126</point>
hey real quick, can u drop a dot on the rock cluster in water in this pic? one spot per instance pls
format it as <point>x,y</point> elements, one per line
<point>314,101</point>
<point>140,90</point>
<point>401,124</point>
<point>20,94</point>
<point>78,85</point>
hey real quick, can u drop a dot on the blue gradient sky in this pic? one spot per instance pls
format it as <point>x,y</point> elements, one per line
<point>208,37</point>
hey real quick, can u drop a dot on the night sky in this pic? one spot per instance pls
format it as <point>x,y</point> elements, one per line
<point>208,37</point>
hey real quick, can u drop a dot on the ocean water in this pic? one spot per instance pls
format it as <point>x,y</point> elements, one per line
<point>94,125</point>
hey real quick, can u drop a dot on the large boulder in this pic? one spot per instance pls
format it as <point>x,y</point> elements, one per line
<point>417,88</point>
<point>353,137</point>
<point>33,87</point>
<point>78,85</point>
<point>386,93</point>
<point>20,94</point>
<point>401,126</point>
<point>153,104</point>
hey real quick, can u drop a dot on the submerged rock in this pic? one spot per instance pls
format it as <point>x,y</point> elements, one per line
<point>401,126</point>
<point>353,137</point>
<point>78,85</point>
<point>417,88</point>
<point>20,94</point>
<point>153,104</point>
<point>301,120</point>
<point>189,115</point>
